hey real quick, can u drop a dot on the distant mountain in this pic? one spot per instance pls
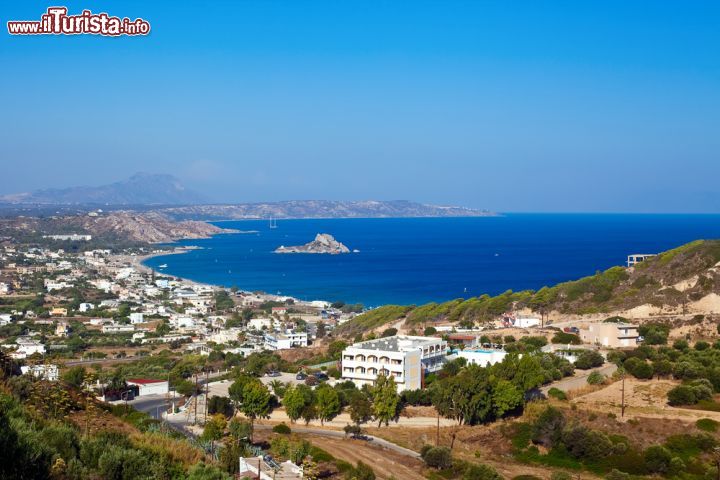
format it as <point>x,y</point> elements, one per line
<point>140,189</point>
<point>319,209</point>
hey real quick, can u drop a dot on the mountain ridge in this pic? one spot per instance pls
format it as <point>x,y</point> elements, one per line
<point>139,189</point>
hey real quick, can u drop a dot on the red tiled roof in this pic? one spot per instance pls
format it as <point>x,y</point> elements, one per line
<point>144,381</point>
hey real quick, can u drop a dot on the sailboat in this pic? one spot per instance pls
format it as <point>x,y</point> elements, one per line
<point>273,223</point>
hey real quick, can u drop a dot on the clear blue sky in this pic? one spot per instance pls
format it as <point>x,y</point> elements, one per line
<point>510,106</point>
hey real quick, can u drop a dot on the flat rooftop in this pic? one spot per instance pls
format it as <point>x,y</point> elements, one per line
<point>398,343</point>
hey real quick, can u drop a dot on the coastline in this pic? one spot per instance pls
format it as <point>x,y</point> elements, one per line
<point>137,262</point>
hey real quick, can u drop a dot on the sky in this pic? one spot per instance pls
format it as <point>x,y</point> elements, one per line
<point>529,106</point>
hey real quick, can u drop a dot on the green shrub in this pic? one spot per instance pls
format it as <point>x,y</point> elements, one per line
<point>560,476</point>
<point>657,459</point>
<point>707,424</point>
<point>481,472</point>
<point>617,475</point>
<point>589,359</point>
<point>596,378</point>
<point>557,394</point>
<point>437,457</point>
<point>282,428</point>
<point>565,338</point>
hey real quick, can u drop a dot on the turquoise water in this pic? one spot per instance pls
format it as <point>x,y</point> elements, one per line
<point>417,260</point>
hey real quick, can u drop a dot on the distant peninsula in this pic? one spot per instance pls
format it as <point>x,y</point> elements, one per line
<point>318,209</point>
<point>323,243</point>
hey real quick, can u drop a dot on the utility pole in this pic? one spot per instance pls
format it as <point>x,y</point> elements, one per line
<point>622,398</point>
<point>196,399</point>
<point>207,392</point>
<point>437,434</point>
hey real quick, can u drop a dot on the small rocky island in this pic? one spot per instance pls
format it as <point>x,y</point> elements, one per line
<point>323,243</point>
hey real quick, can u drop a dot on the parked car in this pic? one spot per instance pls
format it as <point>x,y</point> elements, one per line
<point>300,376</point>
<point>362,437</point>
<point>273,373</point>
<point>322,377</point>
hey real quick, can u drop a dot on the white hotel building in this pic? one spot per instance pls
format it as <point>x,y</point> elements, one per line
<point>404,357</point>
<point>284,341</point>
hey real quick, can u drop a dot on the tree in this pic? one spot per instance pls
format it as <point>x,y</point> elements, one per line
<point>505,397</point>
<point>74,377</point>
<point>222,405</point>
<point>589,359</point>
<point>239,430</point>
<point>214,429</point>
<point>237,389</point>
<point>327,403</point>
<point>547,429</point>
<point>320,332</point>
<point>361,410</point>
<point>385,400</point>
<point>294,402</point>
<point>336,348</point>
<point>256,401</point>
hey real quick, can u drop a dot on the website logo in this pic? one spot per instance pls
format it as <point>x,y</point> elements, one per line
<point>57,22</point>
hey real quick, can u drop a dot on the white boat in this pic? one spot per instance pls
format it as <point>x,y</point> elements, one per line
<point>164,265</point>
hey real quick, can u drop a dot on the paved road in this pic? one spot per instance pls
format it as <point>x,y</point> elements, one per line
<point>579,381</point>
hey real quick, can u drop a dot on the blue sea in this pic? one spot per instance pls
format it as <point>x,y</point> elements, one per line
<point>418,260</point>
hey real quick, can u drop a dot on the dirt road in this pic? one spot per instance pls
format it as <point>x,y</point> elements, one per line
<point>386,463</point>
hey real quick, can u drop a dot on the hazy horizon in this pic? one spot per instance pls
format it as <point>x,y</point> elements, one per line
<point>510,107</point>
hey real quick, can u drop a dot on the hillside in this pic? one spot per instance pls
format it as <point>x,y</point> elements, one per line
<point>140,189</point>
<point>320,209</point>
<point>115,228</point>
<point>678,280</point>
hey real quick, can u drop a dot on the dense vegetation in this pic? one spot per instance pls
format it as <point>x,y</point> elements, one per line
<point>570,444</point>
<point>697,367</point>
<point>615,288</point>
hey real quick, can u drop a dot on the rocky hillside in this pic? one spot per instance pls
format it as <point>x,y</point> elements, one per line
<point>320,209</point>
<point>685,280</point>
<point>323,244</point>
<point>116,228</point>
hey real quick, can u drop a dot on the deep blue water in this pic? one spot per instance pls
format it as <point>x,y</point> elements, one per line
<point>417,260</point>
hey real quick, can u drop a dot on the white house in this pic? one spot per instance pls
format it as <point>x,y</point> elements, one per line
<point>404,357</point>
<point>47,372</point>
<point>26,346</point>
<point>283,341</point>
<point>482,357</point>
<point>85,307</point>
<point>5,319</point>
<point>526,322</point>
<point>259,323</point>
<point>262,469</point>
<point>136,318</point>
<point>149,387</point>
<point>183,322</point>
<point>118,328</point>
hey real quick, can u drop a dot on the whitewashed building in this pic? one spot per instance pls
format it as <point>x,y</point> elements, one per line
<point>283,341</point>
<point>482,357</point>
<point>148,386</point>
<point>48,372</point>
<point>406,358</point>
